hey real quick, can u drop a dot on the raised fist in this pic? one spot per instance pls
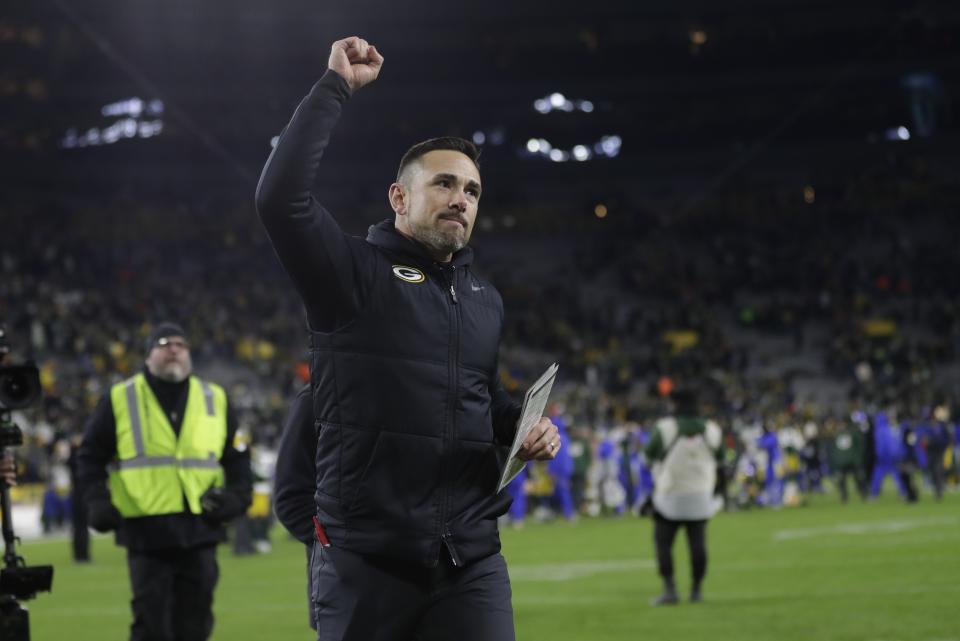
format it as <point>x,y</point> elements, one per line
<point>356,60</point>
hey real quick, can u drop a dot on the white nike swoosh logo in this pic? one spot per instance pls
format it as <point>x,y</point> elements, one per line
<point>475,288</point>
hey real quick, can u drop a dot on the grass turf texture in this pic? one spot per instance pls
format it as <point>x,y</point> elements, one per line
<point>879,571</point>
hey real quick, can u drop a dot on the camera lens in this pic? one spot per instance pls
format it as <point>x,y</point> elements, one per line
<point>19,386</point>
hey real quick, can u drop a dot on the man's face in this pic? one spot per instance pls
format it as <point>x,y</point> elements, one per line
<point>169,359</point>
<point>436,202</point>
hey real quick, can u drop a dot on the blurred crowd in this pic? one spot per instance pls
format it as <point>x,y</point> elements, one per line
<point>789,315</point>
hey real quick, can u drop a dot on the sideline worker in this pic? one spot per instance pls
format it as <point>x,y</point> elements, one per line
<point>159,467</point>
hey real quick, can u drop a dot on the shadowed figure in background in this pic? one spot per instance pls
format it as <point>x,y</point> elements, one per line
<point>685,451</point>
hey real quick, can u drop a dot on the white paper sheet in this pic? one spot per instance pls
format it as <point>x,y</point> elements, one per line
<point>534,401</point>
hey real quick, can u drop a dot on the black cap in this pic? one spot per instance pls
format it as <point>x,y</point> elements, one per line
<point>163,330</point>
<point>685,401</point>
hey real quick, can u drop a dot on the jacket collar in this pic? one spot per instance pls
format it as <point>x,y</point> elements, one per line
<point>386,236</point>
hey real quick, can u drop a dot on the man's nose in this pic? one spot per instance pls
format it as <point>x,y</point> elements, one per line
<point>459,201</point>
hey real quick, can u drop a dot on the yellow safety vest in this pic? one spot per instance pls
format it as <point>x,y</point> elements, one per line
<point>155,470</point>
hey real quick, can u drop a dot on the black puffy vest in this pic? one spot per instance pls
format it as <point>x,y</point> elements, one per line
<point>406,459</point>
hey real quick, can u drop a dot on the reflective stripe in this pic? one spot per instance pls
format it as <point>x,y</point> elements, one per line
<point>211,464</point>
<point>134,410</point>
<point>145,461</point>
<point>208,397</point>
<point>164,461</point>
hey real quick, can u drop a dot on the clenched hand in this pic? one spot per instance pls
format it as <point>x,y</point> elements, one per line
<point>356,60</point>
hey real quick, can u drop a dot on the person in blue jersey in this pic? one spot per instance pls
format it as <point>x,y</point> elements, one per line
<point>888,451</point>
<point>773,480</point>
<point>412,422</point>
<point>561,470</point>
<point>517,489</point>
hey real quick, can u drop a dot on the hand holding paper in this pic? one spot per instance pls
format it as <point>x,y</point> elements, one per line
<point>542,443</point>
<point>536,435</point>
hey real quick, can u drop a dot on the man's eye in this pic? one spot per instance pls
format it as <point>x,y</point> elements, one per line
<point>443,183</point>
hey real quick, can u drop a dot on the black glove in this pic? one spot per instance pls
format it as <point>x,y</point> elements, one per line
<point>221,505</point>
<point>646,508</point>
<point>103,516</point>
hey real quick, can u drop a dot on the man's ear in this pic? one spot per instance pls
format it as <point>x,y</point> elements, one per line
<point>397,195</point>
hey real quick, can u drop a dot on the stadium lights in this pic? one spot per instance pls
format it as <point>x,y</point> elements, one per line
<point>897,134</point>
<point>607,146</point>
<point>133,107</point>
<point>126,128</point>
<point>610,145</point>
<point>130,124</point>
<point>495,136</point>
<point>558,102</point>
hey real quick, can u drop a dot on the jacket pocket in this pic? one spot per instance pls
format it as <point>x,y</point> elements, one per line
<point>400,480</point>
<point>476,472</point>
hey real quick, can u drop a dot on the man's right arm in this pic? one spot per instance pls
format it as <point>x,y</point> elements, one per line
<point>98,448</point>
<point>308,241</point>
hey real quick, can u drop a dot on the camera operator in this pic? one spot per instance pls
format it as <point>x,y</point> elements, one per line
<point>8,470</point>
<point>19,388</point>
<point>166,438</point>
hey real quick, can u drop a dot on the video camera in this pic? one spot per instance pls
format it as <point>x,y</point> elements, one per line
<point>19,388</point>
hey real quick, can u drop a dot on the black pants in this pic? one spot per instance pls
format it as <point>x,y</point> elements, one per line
<point>173,594</point>
<point>363,598</point>
<point>79,534</point>
<point>905,470</point>
<point>935,467</point>
<point>859,478</point>
<point>664,533</point>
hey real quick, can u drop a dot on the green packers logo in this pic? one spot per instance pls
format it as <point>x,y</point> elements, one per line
<point>408,274</point>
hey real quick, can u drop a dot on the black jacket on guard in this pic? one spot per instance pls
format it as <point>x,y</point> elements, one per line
<point>410,415</point>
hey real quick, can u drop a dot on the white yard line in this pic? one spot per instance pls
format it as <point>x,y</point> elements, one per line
<point>575,570</point>
<point>868,527</point>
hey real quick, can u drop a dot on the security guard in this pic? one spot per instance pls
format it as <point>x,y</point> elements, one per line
<point>159,467</point>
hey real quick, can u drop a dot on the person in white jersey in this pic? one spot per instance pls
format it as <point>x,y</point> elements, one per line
<point>684,450</point>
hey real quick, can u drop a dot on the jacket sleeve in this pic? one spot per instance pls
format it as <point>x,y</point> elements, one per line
<point>505,413</point>
<point>312,248</point>
<point>238,478</point>
<point>97,449</point>
<point>654,450</point>
<point>296,473</point>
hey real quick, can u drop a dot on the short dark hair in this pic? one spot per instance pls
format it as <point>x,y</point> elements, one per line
<point>451,143</point>
<point>685,401</point>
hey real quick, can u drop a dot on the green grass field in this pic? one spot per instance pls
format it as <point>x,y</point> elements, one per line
<point>881,571</point>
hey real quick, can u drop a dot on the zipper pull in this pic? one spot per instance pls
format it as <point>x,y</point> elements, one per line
<point>453,294</point>
<point>453,553</point>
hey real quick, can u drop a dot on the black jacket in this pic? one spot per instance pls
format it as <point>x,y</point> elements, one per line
<point>295,480</point>
<point>410,413</point>
<point>183,530</point>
